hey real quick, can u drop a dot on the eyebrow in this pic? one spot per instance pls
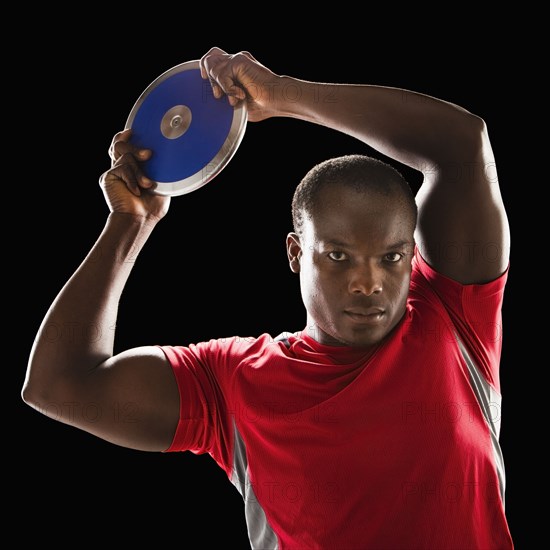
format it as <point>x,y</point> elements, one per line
<point>332,242</point>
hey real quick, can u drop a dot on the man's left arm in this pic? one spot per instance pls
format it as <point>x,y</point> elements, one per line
<point>462,227</point>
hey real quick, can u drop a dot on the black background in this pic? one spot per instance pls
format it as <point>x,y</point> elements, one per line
<point>216,265</point>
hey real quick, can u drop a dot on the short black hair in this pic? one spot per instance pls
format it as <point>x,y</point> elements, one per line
<point>361,173</point>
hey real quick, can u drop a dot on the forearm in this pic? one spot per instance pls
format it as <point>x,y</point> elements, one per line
<point>415,129</point>
<point>77,334</point>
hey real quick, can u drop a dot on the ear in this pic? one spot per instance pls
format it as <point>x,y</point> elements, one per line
<point>293,251</point>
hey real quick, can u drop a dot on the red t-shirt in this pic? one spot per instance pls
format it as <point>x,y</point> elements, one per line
<point>332,449</point>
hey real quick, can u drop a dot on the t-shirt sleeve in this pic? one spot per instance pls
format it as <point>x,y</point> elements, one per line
<point>202,372</point>
<point>475,311</point>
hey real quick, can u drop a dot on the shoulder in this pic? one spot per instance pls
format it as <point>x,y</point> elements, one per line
<point>471,312</point>
<point>227,349</point>
<point>427,280</point>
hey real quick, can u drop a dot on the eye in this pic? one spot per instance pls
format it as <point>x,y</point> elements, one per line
<point>393,257</point>
<point>337,256</point>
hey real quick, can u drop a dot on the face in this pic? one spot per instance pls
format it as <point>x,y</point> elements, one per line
<point>354,260</point>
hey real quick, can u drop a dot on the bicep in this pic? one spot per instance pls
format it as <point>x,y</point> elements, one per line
<point>132,400</point>
<point>462,227</point>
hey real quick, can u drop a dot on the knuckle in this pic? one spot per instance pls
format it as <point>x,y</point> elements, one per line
<point>126,157</point>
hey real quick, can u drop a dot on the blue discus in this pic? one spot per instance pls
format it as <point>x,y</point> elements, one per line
<point>192,134</point>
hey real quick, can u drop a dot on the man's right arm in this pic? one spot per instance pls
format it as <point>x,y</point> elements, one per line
<point>131,398</point>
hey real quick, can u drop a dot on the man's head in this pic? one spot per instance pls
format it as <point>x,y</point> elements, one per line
<point>354,219</point>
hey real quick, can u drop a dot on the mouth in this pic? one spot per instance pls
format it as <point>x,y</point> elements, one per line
<point>367,316</point>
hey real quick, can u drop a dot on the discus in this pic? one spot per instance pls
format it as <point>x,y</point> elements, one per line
<point>192,134</point>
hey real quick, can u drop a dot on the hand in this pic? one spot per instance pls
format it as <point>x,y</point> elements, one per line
<point>242,78</point>
<point>125,187</point>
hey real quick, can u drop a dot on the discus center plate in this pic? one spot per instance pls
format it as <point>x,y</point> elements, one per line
<point>192,134</point>
<point>175,122</point>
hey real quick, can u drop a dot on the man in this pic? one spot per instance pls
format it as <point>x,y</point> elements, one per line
<point>376,426</point>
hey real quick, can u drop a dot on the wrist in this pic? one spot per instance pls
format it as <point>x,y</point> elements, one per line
<point>122,239</point>
<point>127,220</point>
<point>125,233</point>
<point>284,93</point>
<point>298,98</point>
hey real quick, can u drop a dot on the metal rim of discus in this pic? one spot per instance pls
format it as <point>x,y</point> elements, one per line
<point>193,135</point>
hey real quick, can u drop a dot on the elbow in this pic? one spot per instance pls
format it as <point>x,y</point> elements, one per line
<point>31,390</point>
<point>32,396</point>
<point>40,390</point>
<point>468,143</point>
<point>41,398</point>
<point>26,394</point>
<point>474,137</point>
<point>52,394</point>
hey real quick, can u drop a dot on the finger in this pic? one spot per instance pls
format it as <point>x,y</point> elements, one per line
<point>223,83</point>
<point>137,177</point>
<point>214,65</point>
<point>128,170</point>
<point>124,135</point>
<point>118,148</point>
<point>235,94</point>
<point>121,148</point>
<point>129,176</point>
<point>202,62</point>
<point>227,74</point>
<point>119,175</point>
<point>119,137</point>
<point>146,182</point>
<point>250,56</point>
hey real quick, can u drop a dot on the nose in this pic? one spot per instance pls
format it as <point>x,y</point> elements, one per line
<point>366,279</point>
